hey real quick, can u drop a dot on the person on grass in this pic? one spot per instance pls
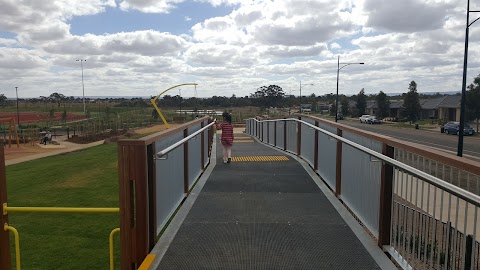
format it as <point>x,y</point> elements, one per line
<point>227,136</point>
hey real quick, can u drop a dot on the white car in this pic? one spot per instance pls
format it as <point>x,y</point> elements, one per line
<point>364,118</point>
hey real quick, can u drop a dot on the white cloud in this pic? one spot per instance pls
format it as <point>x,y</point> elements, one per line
<point>406,15</point>
<point>259,42</point>
<point>150,6</point>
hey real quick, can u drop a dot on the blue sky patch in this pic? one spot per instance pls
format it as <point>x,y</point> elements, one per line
<point>115,20</point>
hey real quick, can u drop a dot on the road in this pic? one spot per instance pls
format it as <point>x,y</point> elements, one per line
<point>430,138</point>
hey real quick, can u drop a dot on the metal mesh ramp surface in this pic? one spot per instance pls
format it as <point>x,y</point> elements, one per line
<point>263,215</point>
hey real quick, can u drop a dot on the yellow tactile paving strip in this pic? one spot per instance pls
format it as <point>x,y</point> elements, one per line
<point>259,158</point>
<point>243,141</point>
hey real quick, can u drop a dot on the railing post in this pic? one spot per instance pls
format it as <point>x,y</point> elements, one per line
<point>299,137</point>
<point>275,133</point>
<point>5,259</point>
<point>202,151</point>
<point>262,131</point>
<point>338,169</point>
<point>185,162</point>
<point>152,195</point>
<point>468,252</point>
<point>315,155</point>
<point>285,135</point>
<point>210,137</point>
<point>268,132</point>
<point>386,197</point>
<point>133,201</point>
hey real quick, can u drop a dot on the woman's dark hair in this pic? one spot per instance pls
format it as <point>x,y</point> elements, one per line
<point>227,117</point>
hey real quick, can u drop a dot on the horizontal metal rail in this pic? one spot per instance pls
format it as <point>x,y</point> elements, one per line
<point>454,190</point>
<point>172,147</point>
<point>7,209</point>
<point>17,243</point>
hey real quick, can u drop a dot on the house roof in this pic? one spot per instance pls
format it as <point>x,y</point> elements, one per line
<point>451,102</point>
<point>431,103</point>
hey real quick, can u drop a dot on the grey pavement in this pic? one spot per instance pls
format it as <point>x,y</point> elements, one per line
<point>262,215</point>
<point>61,146</point>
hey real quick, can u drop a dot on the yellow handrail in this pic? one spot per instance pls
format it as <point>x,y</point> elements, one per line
<point>17,243</point>
<point>111,247</point>
<point>7,209</point>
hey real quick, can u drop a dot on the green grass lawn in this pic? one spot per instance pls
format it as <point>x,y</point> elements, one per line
<point>87,178</point>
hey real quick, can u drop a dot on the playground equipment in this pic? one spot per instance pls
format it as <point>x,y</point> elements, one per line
<point>12,130</point>
<point>154,101</point>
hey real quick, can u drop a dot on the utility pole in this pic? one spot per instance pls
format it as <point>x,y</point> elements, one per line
<point>18,115</point>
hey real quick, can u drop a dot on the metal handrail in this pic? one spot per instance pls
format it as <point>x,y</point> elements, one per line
<point>454,190</point>
<point>172,147</point>
<point>7,209</point>
<point>110,242</point>
<point>6,227</point>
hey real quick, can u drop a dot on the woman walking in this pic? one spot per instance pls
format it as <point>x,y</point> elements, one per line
<point>227,136</point>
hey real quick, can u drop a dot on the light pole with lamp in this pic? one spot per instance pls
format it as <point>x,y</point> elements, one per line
<point>18,115</point>
<point>83,85</point>
<point>301,94</point>
<point>338,74</point>
<point>464,82</point>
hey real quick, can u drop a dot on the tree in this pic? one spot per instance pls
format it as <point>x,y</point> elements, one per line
<point>269,96</point>
<point>57,98</point>
<point>361,102</point>
<point>345,107</point>
<point>64,115</point>
<point>3,99</point>
<point>411,103</point>
<point>472,100</point>
<point>383,105</point>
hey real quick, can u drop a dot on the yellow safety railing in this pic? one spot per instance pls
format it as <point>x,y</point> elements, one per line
<point>6,209</point>
<point>17,243</point>
<point>111,247</point>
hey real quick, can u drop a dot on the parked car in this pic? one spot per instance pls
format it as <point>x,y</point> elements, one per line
<point>373,120</point>
<point>364,118</point>
<point>340,116</point>
<point>453,128</point>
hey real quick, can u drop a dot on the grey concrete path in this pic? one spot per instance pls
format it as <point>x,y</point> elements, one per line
<point>61,147</point>
<point>263,215</point>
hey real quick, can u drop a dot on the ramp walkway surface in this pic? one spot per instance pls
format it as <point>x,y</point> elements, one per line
<point>263,211</point>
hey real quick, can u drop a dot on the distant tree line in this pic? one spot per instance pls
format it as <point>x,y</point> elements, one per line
<point>274,96</point>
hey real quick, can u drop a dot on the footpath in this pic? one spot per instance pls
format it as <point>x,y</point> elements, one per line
<point>16,155</point>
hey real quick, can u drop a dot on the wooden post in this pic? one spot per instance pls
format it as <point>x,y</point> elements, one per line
<point>152,196</point>
<point>185,162</point>
<point>315,155</point>
<point>299,137</point>
<point>338,178</point>
<point>133,187</point>
<point>5,259</point>
<point>202,151</point>
<point>386,197</point>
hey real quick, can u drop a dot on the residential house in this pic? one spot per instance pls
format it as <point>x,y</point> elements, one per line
<point>446,107</point>
<point>449,108</point>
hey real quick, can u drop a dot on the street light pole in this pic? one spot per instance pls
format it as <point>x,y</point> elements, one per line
<point>464,82</point>
<point>18,115</point>
<point>301,94</point>
<point>83,85</point>
<point>338,75</point>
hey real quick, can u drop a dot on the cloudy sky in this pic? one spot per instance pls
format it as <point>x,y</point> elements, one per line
<point>141,47</point>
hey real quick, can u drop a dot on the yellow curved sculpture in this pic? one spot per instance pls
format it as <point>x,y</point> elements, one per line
<point>154,101</point>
